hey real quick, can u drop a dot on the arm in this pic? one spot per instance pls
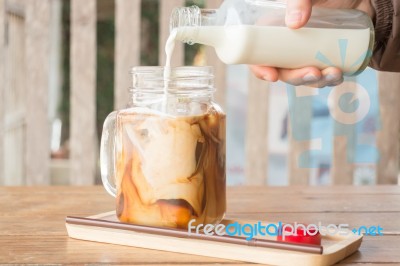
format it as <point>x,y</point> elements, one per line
<point>386,54</point>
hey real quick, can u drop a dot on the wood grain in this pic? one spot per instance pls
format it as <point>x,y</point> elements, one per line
<point>127,48</point>
<point>299,125</point>
<point>388,136</point>
<point>37,54</point>
<point>2,86</point>
<point>15,95</point>
<point>343,146</point>
<point>220,68</point>
<point>83,138</point>
<point>257,132</point>
<point>178,56</point>
<point>342,169</point>
<point>33,231</point>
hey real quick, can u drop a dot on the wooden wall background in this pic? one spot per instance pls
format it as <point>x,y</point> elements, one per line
<point>24,86</point>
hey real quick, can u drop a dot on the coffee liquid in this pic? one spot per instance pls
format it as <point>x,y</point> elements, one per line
<point>170,169</point>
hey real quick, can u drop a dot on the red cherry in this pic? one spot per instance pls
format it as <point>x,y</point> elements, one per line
<point>311,236</point>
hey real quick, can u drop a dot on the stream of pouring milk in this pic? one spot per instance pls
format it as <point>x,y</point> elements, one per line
<point>169,49</point>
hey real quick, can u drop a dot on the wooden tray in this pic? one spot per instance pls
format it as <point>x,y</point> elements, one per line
<point>335,247</point>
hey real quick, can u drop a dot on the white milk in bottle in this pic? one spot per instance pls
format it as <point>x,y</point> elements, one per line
<point>254,32</point>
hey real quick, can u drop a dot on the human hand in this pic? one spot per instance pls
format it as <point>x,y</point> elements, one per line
<point>298,13</point>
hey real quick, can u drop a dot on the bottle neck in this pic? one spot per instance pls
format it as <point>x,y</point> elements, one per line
<point>185,21</point>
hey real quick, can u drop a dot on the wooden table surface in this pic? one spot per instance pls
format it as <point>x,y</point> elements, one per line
<point>32,228</point>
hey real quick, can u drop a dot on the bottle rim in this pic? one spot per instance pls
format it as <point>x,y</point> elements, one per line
<point>176,72</point>
<point>185,16</point>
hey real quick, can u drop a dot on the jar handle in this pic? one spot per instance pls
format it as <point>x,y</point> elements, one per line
<point>107,154</point>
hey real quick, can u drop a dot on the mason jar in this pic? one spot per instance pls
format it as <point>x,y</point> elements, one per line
<point>163,157</point>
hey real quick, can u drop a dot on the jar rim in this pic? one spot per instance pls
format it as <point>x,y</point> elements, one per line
<point>205,70</point>
<point>182,79</point>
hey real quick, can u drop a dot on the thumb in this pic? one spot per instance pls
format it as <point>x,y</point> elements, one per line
<point>298,12</point>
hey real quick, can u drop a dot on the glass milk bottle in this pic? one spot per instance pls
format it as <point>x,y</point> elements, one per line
<point>163,157</point>
<point>254,32</point>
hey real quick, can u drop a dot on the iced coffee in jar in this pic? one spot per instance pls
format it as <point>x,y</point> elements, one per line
<point>163,157</point>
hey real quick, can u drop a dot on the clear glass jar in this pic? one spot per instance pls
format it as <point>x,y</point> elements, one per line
<point>254,32</point>
<point>163,157</point>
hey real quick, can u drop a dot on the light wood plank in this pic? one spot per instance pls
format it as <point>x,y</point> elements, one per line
<point>389,136</point>
<point>83,141</point>
<point>212,59</point>
<point>297,175</point>
<point>299,125</point>
<point>127,48</point>
<point>166,8</point>
<point>15,95</point>
<point>2,86</point>
<point>334,249</point>
<point>37,47</point>
<point>343,146</point>
<point>56,66</point>
<point>15,8</point>
<point>257,132</point>
<point>220,77</point>
<point>342,170</point>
